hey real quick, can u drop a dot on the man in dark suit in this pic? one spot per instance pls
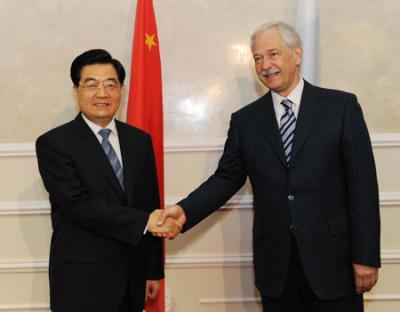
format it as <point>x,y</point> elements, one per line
<point>101,178</point>
<point>307,153</point>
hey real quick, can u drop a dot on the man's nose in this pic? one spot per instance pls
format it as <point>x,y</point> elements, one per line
<point>266,64</point>
<point>101,91</point>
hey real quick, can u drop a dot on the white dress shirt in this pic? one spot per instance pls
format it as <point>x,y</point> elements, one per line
<point>294,97</point>
<point>113,138</point>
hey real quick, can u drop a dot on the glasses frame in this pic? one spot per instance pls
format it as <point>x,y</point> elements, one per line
<point>94,85</point>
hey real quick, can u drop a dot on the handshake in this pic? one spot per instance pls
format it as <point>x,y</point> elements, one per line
<point>167,223</point>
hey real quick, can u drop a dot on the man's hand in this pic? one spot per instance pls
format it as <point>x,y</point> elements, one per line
<point>176,213</point>
<point>170,228</point>
<point>152,288</point>
<point>365,277</point>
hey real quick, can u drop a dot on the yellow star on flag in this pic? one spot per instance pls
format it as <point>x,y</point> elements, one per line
<point>150,41</point>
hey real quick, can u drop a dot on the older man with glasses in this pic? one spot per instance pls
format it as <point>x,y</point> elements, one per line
<point>101,178</point>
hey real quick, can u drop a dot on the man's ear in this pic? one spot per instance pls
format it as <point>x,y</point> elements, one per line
<point>75,96</point>
<point>298,54</point>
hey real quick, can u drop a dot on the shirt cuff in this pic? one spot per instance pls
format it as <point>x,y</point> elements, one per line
<point>145,229</point>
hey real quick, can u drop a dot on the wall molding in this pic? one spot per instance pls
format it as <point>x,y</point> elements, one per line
<point>15,208</point>
<point>385,139</point>
<point>25,307</point>
<point>244,300</point>
<point>390,256</point>
<point>230,300</point>
<point>220,260</point>
<point>239,260</point>
<point>379,140</point>
<point>24,266</point>
<point>42,207</point>
<point>209,145</point>
<point>171,262</point>
<point>17,149</point>
<point>203,301</point>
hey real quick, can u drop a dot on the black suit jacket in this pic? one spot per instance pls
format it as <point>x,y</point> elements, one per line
<point>98,251</point>
<point>328,192</point>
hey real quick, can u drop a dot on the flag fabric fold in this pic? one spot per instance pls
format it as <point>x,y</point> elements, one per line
<point>145,109</point>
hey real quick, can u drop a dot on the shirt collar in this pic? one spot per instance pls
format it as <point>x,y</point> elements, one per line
<point>294,96</point>
<point>96,128</point>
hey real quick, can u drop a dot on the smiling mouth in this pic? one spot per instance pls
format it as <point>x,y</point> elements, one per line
<point>101,105</point>
<point>271,74</point>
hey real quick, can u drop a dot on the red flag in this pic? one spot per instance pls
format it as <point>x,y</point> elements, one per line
<point>145,99</point>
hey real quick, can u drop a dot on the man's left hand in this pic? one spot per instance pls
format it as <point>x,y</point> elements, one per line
<point>152,288</point>
<point>365,277</point>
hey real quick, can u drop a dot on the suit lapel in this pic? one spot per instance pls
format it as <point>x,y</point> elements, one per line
<point>309,111</point>
<point>265,116</point>
<point>128,159</point>
<point>91,148</point>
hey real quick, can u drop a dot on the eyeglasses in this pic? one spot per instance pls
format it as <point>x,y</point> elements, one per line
<point>93,85</point>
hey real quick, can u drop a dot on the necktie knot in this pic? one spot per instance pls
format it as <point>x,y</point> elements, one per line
<point>105,133</point>
<point>287,104</point>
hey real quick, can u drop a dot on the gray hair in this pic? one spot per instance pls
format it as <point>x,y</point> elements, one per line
<point>288,33</point>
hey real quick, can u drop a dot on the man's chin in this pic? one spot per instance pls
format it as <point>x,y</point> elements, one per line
<point>271,83</point>
<point>272,86</point>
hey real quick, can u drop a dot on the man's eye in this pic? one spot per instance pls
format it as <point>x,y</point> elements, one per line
<point>110,85</point>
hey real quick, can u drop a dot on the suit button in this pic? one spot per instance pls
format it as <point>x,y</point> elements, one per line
<point>290,197</point>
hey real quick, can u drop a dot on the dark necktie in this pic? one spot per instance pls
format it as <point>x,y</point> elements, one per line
<point>112,156</point>
<point>287,127</point>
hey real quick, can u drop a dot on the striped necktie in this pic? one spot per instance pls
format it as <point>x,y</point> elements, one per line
<point>112,156</point>
<point>287,128</point>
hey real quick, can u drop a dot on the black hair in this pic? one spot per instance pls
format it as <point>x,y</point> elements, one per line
<point>95,56</point>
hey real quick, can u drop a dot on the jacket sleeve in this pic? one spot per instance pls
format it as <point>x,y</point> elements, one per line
<point>362,187</point>
<point>154,246</point>
<point>222,185</point>
<point>70,197</point>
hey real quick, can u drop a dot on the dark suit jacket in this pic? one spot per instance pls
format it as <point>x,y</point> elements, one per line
<point>328,192</point>
<point>98,251</point>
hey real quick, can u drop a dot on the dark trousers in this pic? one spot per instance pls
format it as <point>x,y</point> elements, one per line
<point>299,297</point>
<point>128,304</point>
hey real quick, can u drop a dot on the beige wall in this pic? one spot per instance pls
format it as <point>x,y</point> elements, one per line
<point>359,53</point>
<point>207,74</point>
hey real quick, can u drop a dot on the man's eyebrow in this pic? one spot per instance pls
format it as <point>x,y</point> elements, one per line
<point>268,51</point>
<point>91,78</point>
<point>112,78</point>
<point>88,79</point>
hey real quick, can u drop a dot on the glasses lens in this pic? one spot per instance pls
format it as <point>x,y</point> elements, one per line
<point>110,84</point>
<point>107,84</point>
